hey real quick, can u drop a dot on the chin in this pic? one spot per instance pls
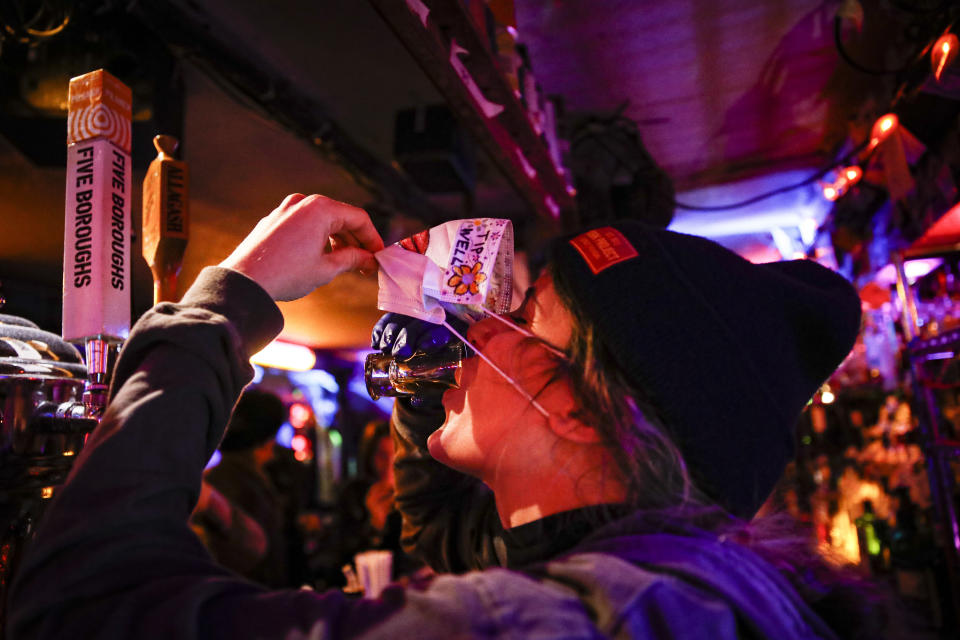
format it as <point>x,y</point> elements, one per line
<point>435,447</point>
<point>443,447</point>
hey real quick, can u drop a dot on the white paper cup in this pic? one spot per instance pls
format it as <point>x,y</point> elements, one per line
<point>374,569</point>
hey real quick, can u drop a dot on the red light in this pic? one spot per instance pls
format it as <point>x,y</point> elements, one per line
<point>830,192</point>
<point>853,175</point>
<point>299,443</point>
<point>300,415</point>
<point>882,128</point>
<point>943,53</point>
<point>301,455</point>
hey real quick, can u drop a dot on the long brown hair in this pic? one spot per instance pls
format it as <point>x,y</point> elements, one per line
<point>648,461</point>
<point>658,483</point>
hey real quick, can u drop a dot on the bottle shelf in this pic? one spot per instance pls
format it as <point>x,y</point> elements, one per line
<point>936,346</point>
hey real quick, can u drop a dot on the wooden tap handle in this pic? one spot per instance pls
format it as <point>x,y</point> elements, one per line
<point>166,218</point>
<point>165,145</point>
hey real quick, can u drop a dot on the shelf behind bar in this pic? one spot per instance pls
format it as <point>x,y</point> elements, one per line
<point>503,136</point>
<point>946,341</point>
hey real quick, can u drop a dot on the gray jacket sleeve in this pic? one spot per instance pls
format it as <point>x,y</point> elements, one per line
<point>450,520</point>
<point>114,556</point>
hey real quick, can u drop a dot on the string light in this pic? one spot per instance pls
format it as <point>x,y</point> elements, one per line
<point>882,128</point>
<point>853,175</point>
<point>846,178</point>
<point>943,54</point>
<point>826,394</point>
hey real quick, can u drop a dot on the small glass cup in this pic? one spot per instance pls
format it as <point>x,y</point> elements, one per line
<point>387,376</point>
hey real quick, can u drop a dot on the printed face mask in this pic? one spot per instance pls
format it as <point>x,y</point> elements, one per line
<point>461,267</point>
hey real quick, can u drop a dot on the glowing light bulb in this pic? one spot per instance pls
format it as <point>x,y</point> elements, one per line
<point>830,192</point>
<point>827,397</point>
<point>943,53</point>
<point>882,129</point>
<point>853,175</point>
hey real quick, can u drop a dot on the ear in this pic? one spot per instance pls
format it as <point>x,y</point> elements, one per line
<point>572,429</point>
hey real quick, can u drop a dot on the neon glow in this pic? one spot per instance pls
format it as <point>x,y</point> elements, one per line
<point>214,460</point>
<point>323,380</point>
<point>914,269</point>
<point>783,242</point>
<point>285,435</point>
<point>808,231</point>
<point>285,355</point>
<point>335,438</point>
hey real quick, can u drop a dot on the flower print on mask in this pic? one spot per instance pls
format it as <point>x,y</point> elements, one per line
<point>467,278</point>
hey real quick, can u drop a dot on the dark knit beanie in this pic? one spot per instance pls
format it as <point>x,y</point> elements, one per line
<point>727,351</point>
<point>255,420</point>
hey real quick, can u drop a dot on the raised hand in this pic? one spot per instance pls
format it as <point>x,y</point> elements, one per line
<point>305,243</point>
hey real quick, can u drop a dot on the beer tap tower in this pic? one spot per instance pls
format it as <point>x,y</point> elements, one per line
<point>49,400</point>
<point>96,248</point>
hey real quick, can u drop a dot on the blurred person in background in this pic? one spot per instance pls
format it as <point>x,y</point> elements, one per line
<point>593,476</point>
<point>366,502</point>
<point>241,477</point>
<point>368,518</point>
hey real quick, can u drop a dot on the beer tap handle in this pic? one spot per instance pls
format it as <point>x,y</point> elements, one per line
<point>166,217</point>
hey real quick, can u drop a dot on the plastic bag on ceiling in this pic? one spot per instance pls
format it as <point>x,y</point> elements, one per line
<point>459,267</point>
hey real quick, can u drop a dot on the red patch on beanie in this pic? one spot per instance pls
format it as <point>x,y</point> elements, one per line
<point>602,248</point>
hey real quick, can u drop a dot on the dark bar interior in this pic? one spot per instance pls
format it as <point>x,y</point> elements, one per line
<point>583,318</point>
